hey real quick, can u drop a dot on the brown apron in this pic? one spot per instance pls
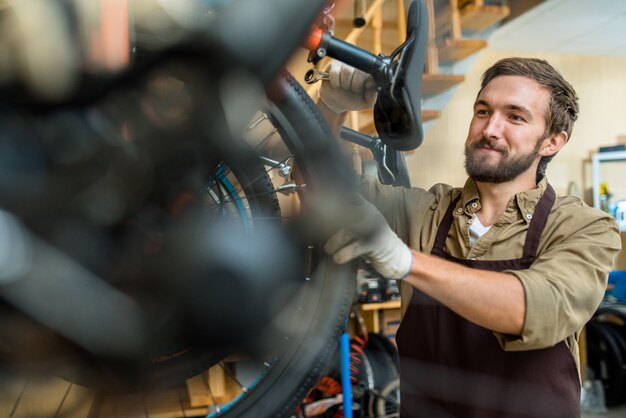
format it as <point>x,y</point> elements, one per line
<point>451,367</point>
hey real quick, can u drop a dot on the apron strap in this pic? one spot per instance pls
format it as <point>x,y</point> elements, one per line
<point>538,222</point>
<point>535,229</point>
<point>444,227</point>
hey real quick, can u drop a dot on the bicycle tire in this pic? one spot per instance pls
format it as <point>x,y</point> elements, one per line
<point>257,189</point>
<point>324,308</point>
<point>619,333</point>
<point>387,403</point>
<point>328,295</point>
<point>606,360</point>
<point>385,366</point>
<point>382,344</point>
<point>324,303</point>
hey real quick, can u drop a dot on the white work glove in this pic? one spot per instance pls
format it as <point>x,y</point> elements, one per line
<point>347,88</point>
<point>369,236</point>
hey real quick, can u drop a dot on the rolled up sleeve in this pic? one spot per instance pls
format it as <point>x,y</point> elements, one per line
<point>566,283</point>
<point>402,207</point>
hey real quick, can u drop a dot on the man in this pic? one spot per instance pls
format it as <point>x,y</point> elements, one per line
<point>499,276</point>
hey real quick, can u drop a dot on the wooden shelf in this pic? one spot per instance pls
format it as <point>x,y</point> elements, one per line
<point>428,115</point>
<point>453,50</point>
<point>476,18</point>
<point>434,84</point>
<point>390,304</point>
<point>376,316</point>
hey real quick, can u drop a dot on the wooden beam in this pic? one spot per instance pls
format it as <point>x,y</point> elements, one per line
<point>432,55</point>
<point>455,20</point>
<point>377,29</point>
<point>197,390</point>
<point>401,23</point>
<point>356,32</point>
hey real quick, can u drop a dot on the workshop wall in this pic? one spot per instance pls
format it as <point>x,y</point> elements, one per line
<point>601,85</point>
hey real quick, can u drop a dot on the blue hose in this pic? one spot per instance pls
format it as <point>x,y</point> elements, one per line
<point>346,385</point>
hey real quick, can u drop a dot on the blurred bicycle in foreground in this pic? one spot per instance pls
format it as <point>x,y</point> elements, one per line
<point>151,229</point>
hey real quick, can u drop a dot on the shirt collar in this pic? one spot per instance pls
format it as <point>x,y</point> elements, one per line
<point>470,199</point>
<point>525,202</point>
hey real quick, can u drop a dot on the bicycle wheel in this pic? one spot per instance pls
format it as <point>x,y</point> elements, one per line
<point>387,403</point>
<point>605,358</point>
<point>308,326</point>
<point>383,357</point>
<point>305,333</point>
<point>293,128</point>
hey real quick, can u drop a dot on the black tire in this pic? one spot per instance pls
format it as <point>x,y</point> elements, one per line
<point>619,334</point>
<point>612,313</point>
<point>606,360</point>
<point>320,313</point>
<point>387,403</point>
<point>384,363</point>
<point>315,318</point>
<point>614,317</point>
<point>182,362</point>
<point>383,344</point>
<point>383,356</point>
<point>170,364</point>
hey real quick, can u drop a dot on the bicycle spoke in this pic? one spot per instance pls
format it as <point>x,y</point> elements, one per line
<point>216,406</point>
<point>230,374</point>
<point>259,177</point>
<point>181,404</point>
<point>257,124</point>
<point>67,392</point>
<point>19,397</point>
<point>393,399</point>
<point>248,196</point>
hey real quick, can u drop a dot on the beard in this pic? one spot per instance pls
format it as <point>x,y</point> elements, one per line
<point>505,170</point>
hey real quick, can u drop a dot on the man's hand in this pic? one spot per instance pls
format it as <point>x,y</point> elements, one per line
<point>369,236</point>
<point>347,88</point>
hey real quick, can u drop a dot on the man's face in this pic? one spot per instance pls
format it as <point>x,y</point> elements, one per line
<point>507,130</point>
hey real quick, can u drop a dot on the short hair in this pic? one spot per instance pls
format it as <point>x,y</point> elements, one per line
<point>562,110</point>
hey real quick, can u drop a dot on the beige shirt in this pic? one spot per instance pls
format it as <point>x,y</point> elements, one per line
<point>565,284</point>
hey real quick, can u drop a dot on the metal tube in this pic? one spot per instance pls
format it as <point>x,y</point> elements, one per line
<point>360,9</point>
<point>355,56</point>
<point>358,138</point>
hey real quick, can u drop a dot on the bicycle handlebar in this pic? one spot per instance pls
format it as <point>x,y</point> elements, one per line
<point>322,44</point>
<point>397,112</point>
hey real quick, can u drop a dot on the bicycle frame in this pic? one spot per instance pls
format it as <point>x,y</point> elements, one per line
<point>247,38</point>
<point>261,59</point>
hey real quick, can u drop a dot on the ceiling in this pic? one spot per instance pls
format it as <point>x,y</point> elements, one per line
<point>586,27</point>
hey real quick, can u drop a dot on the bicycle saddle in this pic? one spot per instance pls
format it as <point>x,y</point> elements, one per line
<point>397,112</point>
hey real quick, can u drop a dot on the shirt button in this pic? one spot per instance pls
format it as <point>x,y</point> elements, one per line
<point>460,210</point>
<point>529,216</point>
<point>469,221</point>
<point>474,205</point>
